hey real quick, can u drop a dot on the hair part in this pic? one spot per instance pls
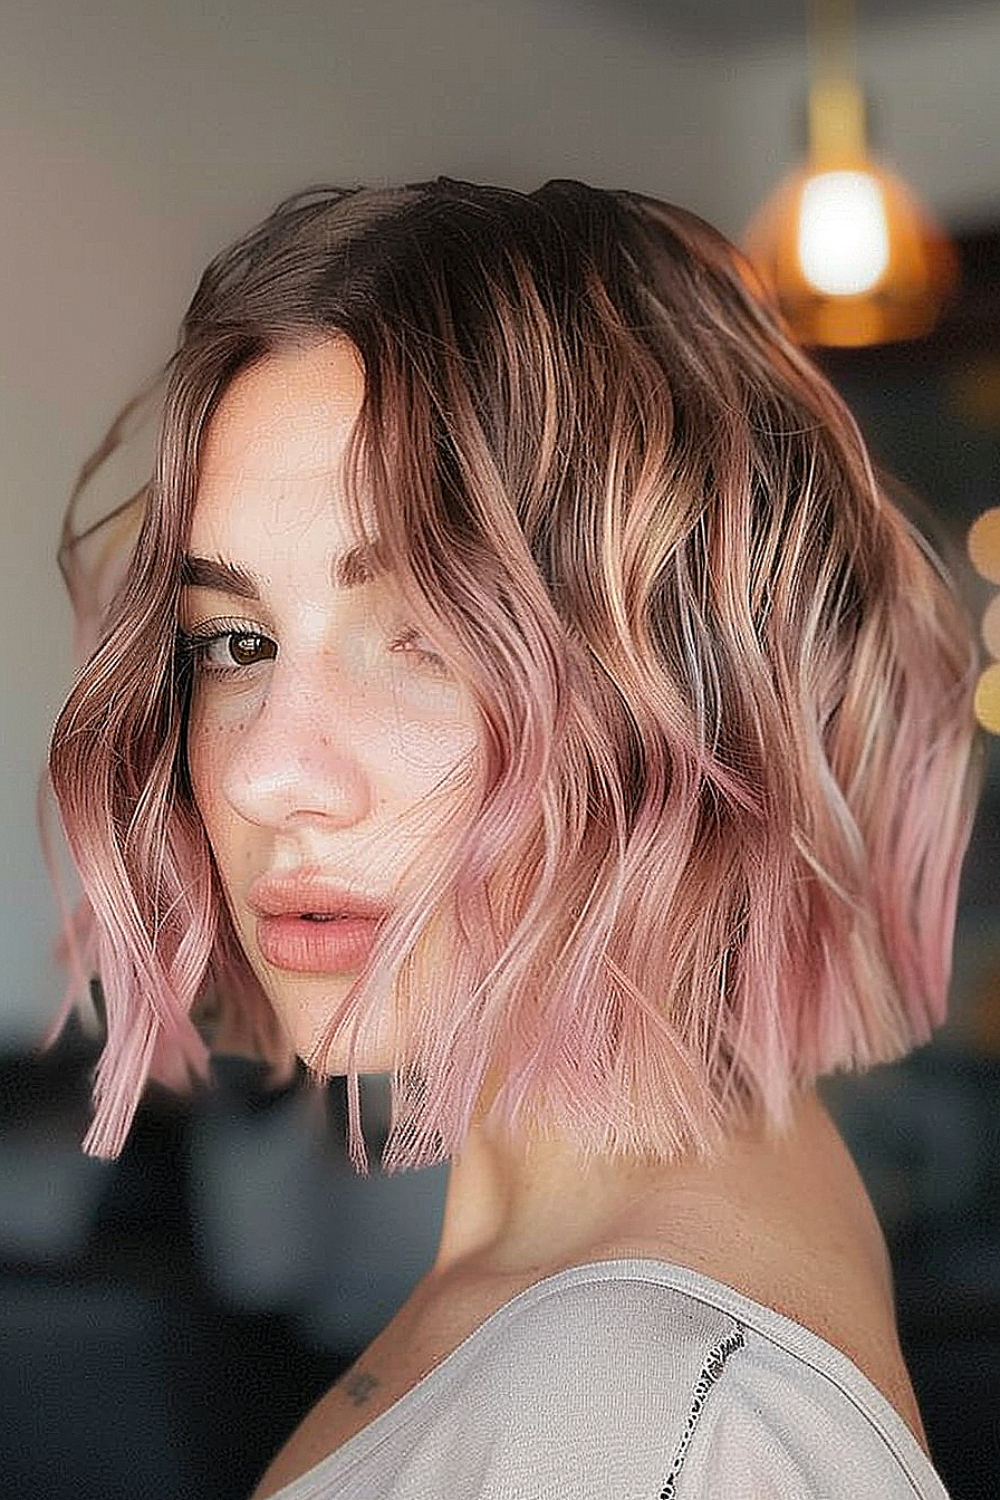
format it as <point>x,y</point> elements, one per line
<point>710,846</point>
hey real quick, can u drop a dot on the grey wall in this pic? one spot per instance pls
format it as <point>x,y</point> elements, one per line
<point>136,140</point>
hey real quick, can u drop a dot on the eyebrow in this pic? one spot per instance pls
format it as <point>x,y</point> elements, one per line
<point>349,570</point>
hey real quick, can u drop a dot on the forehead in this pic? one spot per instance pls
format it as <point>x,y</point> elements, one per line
<point>282,422</point>
<point>287,395</point>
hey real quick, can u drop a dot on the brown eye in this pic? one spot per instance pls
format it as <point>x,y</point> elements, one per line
<point>225,653</point>
<point>247,648</point>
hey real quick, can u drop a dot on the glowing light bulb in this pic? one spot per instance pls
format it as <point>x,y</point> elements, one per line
<point>843,239</point>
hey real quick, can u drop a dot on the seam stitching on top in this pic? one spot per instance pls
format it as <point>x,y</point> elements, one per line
<point>711,1370</point>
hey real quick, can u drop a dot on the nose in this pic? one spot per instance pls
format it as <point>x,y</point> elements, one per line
<point>298,757</point>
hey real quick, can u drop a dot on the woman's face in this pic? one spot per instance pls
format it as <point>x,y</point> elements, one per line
<point>316,725</point>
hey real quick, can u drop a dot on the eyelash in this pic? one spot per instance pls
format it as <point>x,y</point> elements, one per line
<point>193,647</point>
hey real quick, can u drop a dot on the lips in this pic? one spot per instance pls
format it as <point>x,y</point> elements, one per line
<point>306,924</point>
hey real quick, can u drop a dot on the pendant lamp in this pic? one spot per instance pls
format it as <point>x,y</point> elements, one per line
<point>851,255</point>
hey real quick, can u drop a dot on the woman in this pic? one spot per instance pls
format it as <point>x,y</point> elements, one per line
<point>522,684</point>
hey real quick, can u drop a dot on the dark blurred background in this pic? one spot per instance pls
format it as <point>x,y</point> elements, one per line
<point>166,1319</point>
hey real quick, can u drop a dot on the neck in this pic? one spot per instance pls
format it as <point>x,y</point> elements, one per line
<point>514,1208</point>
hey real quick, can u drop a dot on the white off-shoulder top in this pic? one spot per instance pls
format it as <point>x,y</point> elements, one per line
<point>633,1380</point>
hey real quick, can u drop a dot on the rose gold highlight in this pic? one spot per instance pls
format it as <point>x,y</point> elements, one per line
<point>710,844</point>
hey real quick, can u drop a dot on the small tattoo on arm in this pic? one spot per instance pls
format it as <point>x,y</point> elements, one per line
<point>359,1386</point>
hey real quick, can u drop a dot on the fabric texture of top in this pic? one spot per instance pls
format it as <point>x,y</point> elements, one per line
<point>633,1380</point>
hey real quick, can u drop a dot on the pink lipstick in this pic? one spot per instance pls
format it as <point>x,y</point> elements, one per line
<point>308,925</point>
<point>314,945</point>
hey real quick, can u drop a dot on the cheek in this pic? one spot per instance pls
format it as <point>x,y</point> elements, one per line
<point>206,752</point>
<point>423,749</point>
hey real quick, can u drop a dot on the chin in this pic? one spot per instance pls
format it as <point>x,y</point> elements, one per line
<point>305,1027</point>
<point>304,1003</point>
<point>373,1055</point>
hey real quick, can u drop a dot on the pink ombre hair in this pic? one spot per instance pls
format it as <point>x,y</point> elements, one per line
<point>711,844</point>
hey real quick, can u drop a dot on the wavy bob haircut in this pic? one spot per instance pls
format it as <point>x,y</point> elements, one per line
<point>711,840</point>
